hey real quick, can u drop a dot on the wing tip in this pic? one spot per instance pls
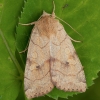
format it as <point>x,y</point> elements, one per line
<point>32,94</point>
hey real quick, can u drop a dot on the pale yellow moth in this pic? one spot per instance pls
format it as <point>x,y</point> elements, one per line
<point>51,59</point>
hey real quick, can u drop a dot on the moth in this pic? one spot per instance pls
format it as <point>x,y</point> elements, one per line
<point>51,59</point>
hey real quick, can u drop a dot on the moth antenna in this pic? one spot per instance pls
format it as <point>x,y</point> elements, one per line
<point>53,7</point>
<point>53,12</point>
<point>69,26</point>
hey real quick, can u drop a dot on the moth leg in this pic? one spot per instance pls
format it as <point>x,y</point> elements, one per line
<point>73,39</point>
<point>28,23</point>
<point>26,47</point>
<point>24,50</point>
<point>32,23</point>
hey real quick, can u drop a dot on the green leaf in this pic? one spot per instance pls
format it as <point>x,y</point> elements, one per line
<point>11,73</point>
<point>82,16</point>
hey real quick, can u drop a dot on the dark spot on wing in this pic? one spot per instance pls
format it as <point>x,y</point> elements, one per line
<point>37,67</point>
<point>67,63</point>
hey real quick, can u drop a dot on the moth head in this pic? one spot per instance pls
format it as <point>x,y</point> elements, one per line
<point>45,14</point>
